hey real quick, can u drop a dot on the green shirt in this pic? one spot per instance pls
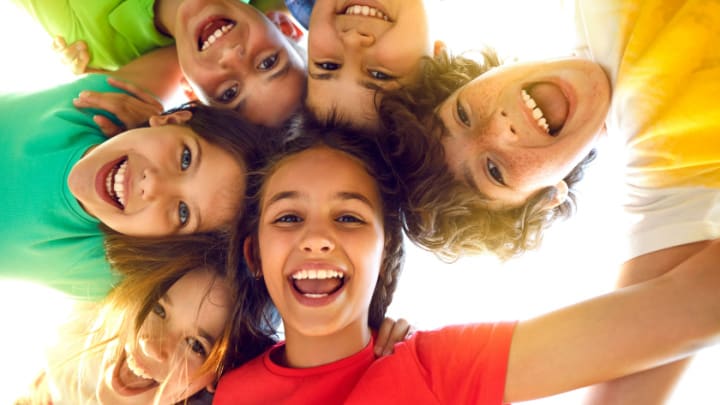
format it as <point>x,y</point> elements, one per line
<point>46,235</point>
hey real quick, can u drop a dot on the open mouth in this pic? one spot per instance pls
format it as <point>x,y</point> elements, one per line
<point>317,283</point>
<point>366,11</point>
<point>212,31</point>
<point>129,379</point>
<point>548,106</point>
<point>115,183</point>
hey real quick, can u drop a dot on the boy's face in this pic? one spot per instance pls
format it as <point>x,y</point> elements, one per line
<point>321,242</point>
<point>159,181</point>
<point>172,344</point>
<point>358,46</point>
<point>234,57</point>
<point>498,145</point>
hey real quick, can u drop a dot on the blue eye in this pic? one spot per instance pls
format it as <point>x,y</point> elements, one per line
<point>327,65</point>
<point>495,172</point>
<point>268,63</point>
<point>196,346</point>
<point>183,213</point>
<point>378,75</point>
<point>288,219</point>
<point>229,94</point>
<point>185,158</point>
<point>158,310</point>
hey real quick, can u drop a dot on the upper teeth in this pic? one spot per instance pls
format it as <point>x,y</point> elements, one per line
<point>536,111</point>
<point>366,11</point>
<point>216,35</point>
<point>115,184</point>
<point>135,369</point>
<point>317,274</point>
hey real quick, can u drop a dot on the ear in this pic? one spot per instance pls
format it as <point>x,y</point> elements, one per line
<point>210,387</point>
<point>439,47</point>
<point>561,193</point>
<point>176,118</point>
<point>285,24</point>
<point>250,259</point>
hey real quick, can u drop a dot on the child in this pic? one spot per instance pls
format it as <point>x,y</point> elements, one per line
<point>329,251</point>
<point>231,54</point>
<point>184,173</point>
<point>354,50</point>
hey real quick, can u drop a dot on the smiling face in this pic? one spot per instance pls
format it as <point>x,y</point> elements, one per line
<point>358,46</point>
<point>234,57</point>
<point>523,127</point>
<point>173,343</point>
<point>159,181</point>
<point>321,244</point>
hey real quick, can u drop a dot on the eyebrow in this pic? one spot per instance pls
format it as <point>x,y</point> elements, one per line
<point>202,332</point>
<point>198,214</point>
<point>347,195</point>
<point>322,76</point>
<point>281,196</point>
<point>369,85</point>
<point>280,72</point>
<point>342,195</point>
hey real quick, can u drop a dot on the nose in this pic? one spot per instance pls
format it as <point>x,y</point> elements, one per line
<point>353,38</point>
<point>317,240</point>
<point>154,185</point>
<point>155,347</point>
<point>232,57</point>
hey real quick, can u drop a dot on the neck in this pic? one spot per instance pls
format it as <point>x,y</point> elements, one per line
<point>165,13</point>
<point>302,351</point>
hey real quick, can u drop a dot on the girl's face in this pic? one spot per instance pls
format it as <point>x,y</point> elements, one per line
<point>522,127</point>
<point>321,242</point>
<point>234,57</point>
<point>158,181</point>
<point>357,46</point>
<point>172,345</point>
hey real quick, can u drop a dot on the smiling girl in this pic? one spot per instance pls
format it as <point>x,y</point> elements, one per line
<point>183,173</point>
<point>329,252</point>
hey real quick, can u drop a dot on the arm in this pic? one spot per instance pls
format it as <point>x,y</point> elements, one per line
<point>624,332</point>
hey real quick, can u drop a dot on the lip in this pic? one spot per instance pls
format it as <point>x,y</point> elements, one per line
<point>369,3</point>
<point>100,182</point>
<point>117,384</point>
<point>320,301</point>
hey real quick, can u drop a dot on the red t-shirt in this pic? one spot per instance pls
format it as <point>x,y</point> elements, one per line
<point>464,364</point>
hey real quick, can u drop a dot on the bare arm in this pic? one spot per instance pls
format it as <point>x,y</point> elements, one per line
<point>624,332</point>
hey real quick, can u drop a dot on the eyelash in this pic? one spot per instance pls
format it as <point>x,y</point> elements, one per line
<point>347,218</point>
<point>158,310</point>
<point>185,158</point>
<point>195,345</point>
<point>229,94</point>
<point>273,61</point>
<point>495,172</point>
<point>461,113</point>
<point>287,219</point>
<point>327,65</point>
<point>378,75</point>
<point>183,213</point>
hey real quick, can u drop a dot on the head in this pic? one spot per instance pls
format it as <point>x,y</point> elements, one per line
<point>328,248</point>
<point>356,47</point>
<point>173,323</point>
<point>183,173</point>
<point>234,57</point>
<point>508,144</point>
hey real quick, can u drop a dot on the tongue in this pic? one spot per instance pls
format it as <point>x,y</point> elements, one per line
<point>324,286</point>
<point>552,102</point>
<point>131,380</point>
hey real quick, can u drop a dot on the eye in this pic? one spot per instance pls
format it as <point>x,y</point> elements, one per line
<point>288,219</point>
<point>495,172</point>
<point>196,346</point>
<point>378,75</point>
<point>461,114</point>
<point>347,218</point>
<point>158,310</point>
<point>183,213</point>
<point>268,63</point>
<point>185,158</point>
<point>229,94</point>
<point>327,65</point>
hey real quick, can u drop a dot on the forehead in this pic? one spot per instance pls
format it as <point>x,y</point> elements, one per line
<point>203,295</point>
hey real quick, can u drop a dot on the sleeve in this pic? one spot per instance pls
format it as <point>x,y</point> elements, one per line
<point>467,364</point>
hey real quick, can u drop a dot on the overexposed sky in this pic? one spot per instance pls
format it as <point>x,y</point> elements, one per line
<point>579,258</point>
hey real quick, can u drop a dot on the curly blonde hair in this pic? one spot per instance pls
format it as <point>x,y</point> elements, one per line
<point>444,215</point>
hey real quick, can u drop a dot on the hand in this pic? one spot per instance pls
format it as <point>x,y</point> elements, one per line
<point>75,55</point>
<point>131,109</point>
<point>391,332</point>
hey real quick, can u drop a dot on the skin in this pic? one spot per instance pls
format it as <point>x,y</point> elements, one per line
<point>351,56</point>
<point>175,183</point>
<point>252,69</point>
<point>172,344</point>
<point>493,143</point>
<point>310,221</point>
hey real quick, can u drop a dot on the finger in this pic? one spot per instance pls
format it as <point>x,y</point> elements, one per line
<point>383,336</point>
<point>398,333</point>
<point>80,62</point>
<point>107,127</point>
<point>136,91</point>
<point>58,43</point>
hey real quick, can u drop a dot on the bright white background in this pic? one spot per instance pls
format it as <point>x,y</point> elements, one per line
<point>579,258</point>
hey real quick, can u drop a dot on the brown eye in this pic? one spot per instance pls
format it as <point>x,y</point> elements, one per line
<point>228,95</point>
<point>461,113</point>
<point>327,65</point>
<point>495,172</point>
